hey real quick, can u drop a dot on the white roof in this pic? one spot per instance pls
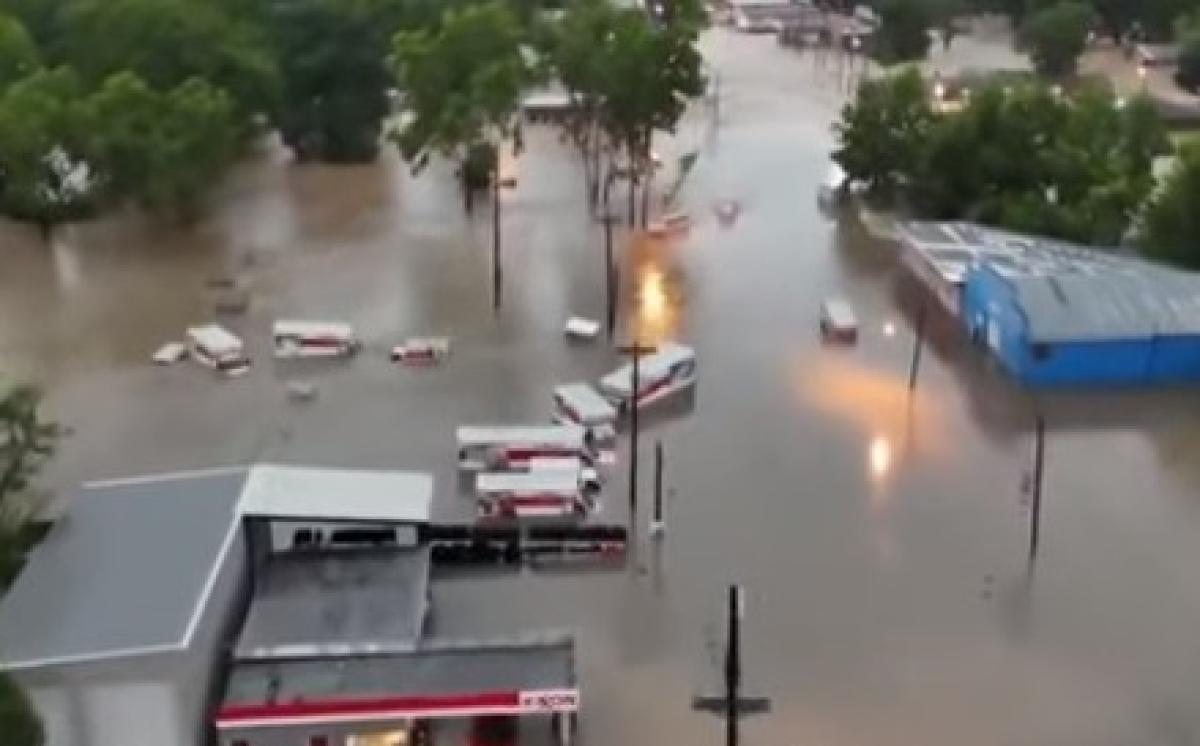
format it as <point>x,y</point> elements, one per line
<point>550,480</point>
<point>313,328</point>
<point>566,435</point>
<point>650,367</point>
<point>298,492</point>
<point>215,338</point>
<point>586,402</point>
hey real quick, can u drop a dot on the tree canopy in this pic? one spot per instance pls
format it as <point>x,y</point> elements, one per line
<point>1172,222</point>
<point>1056,35</point>
<point>462,82</point>
<point>1027,158</point>
<point>18,52</point>
<point>903,33</point>
<point>332,60</point>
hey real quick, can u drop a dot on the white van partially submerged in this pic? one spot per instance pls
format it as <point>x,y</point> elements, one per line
<point>580,404</point>
<point>668,371</point>
<point>218,348</point>
<point>314,339</point>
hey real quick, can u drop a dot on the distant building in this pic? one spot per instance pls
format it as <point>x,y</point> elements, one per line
<point>1056,314</point>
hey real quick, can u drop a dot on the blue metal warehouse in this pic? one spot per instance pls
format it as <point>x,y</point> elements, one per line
<point>1058,314</point>
<point>1139,325</point>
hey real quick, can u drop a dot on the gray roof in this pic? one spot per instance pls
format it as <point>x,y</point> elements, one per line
<point>1067,291</point>
<point>366,601</point>
<point>1129,305</point>
<point>547,662</point>
<point>127,570</point>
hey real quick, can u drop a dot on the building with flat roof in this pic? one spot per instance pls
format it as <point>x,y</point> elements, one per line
<point>256,606</point>
<point>1055,313</point>
<point>117,624</point>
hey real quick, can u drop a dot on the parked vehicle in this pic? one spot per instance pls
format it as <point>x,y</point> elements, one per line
<point>314,339</point>
<point>838,321</point>
<point>218,348</point>
<point>501,447</point>
<point>421,351</point>
<point>532,495</point>
<point>668,371</point>
<point>580,404</point>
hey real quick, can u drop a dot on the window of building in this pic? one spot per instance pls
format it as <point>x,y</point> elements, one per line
<point>318,741</point>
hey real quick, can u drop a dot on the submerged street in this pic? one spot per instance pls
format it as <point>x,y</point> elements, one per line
<point>881,537</point>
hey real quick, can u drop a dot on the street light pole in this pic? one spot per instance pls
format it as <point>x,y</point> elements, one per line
<point>636,351</point>
<point>656,522</point>
<point>496,271</point>
<point>731,705</point>
<point>610,270</point>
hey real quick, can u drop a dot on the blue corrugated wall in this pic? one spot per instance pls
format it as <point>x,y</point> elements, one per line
<point>992,316</point>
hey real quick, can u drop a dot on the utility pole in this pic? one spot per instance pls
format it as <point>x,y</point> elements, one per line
<point>731,705</point>
<point>918,343</point>
<point>636,351</point>
<point>497,279</point>
<point>657,525</point>
<point>1039,458</point>
<point>610,269</point>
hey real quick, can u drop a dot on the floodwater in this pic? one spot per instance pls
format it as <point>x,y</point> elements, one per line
<point>881,536</point>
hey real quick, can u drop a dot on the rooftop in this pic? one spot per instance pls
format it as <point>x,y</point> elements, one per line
<point>126,571</point>
<point>129,568</point>
<point>952,248</point>
<point>347,603</point>
<point>468,677</point>
<point>1156,302</point>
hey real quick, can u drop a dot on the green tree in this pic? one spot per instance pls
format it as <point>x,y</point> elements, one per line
<point>44,146</point>
<point>18,53</point>
<point>162,149</point>
<point>883,133</point>
<point>333,63</point>
<point>665,62</point>
<point>1056,35</point>
<point>1172,221</point>
<point>903,33</point>
<point>462,82</point>
<point>166,42</point>
<point>18,721</point>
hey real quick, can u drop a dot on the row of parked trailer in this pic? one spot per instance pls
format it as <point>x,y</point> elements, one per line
<point>218,348</point>
<point>551,472</point>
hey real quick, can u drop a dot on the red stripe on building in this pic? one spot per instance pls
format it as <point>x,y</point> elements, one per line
<point>432,704</point>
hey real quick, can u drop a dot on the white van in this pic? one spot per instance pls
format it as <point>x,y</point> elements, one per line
<point>533,494</point>
<point>580,404</point>
<point>669,370</point>
<point>838,321</point>
<point>218,348</point>
<point>314,339</point>
<point>499,447</point>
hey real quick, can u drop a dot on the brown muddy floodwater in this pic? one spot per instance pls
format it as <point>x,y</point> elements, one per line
<point>881,538</point>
